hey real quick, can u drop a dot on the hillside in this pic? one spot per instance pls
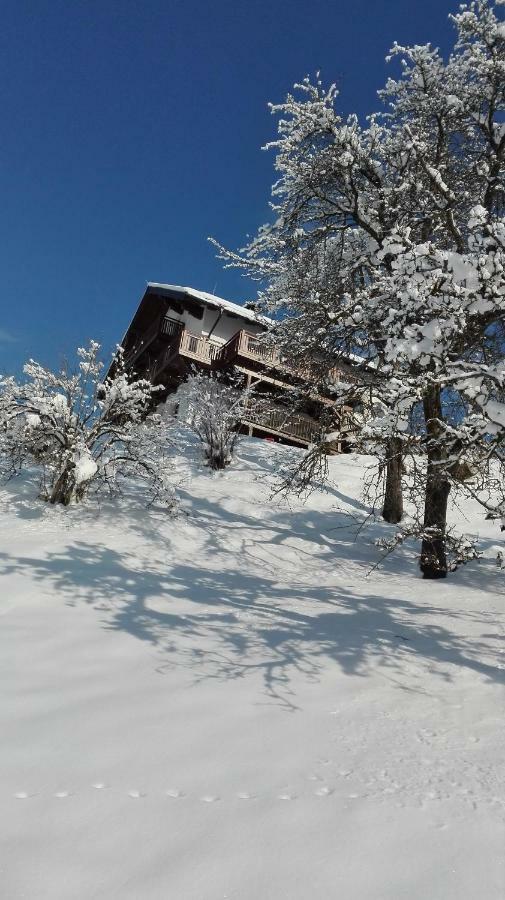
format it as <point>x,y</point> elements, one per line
<point>226,705</point>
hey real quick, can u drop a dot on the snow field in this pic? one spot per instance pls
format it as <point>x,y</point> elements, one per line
<point>225,705</point>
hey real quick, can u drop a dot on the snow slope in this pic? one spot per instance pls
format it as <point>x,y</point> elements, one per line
<point>225,705</point>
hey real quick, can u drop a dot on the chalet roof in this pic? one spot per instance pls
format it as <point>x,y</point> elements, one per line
<point>211,300</point>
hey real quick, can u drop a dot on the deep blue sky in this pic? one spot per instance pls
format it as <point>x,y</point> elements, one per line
<point>132,130</point>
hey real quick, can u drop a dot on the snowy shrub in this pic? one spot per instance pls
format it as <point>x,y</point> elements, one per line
<point>79,430</point>
<point>212,409</point>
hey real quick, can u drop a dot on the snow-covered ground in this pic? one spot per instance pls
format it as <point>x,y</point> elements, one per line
<point>225,705</point>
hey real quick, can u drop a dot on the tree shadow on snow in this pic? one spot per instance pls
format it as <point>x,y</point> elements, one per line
<point>229,624</point>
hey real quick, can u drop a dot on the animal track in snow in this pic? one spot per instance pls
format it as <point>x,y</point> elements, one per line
<point>286,796</point>
<point>175,793</point>
<point>243,795</point>
<point>209,798</point>
<point>323,791</point>
<point>99,785</point>
<point>136,794</point>
<point>23,795</point>
<point>62,795</point>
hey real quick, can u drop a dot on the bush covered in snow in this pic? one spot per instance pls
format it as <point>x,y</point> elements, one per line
<point>79,430</point>
<point>212,409</point>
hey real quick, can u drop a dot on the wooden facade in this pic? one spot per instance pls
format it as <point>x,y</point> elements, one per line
<point>177,330</point>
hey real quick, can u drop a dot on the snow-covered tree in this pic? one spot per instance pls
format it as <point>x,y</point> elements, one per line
<point>78,429</point>
<point>389,242</point>
<point>213,410</point>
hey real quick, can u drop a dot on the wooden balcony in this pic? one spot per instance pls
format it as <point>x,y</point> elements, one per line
<point>163,327</point>
<point>199,348</point>
<point>185,345</point>
<point>296,427</point>
<point>169,327</point>
<point>246,346</point>
<point>243,348</point>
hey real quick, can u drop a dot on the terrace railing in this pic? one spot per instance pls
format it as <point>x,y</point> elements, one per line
<point>170,327</point>
<point>297,426</point>
<point>200,348</point>
<point>162,325</point>
<point>184,343</point>
<point>251,347</point>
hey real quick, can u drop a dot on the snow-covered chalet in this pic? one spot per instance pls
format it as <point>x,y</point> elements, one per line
<point>176,330</point>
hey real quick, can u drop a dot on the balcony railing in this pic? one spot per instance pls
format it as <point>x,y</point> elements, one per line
<point>169,327</point>
<point>251,347</point>
<point>297,426</point>
<point>179,342</point>
<point>162,325</point>
<point>184,343</point>
<point>196,347</point>
<point>348,423</point>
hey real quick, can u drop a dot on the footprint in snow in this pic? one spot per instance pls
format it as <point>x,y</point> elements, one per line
<point>286,796</point>
<point>323,791</point>
<point>245,796</point>
<point>23,795</point>
<point>62,795</point>
<point>209,798</point>
<point>175,793</point>
<point>99,785</point>
<point>136,795</point>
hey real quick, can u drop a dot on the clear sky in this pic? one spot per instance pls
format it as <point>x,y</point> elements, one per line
<point>132,130</point>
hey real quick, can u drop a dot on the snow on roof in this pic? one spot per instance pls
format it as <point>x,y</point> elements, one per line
<point>212,300</point>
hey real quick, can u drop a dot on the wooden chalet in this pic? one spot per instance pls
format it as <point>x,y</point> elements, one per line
<point>178,329</point>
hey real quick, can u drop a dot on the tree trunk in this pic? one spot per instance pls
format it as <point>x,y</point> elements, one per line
<point>392,510</point>
<point>433,553</point>
<point>63,488</point>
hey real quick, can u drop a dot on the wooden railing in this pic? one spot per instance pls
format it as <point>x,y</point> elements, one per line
<point>184,343</point>
<point>250,346</point>
<point>196,347</point>
<point>162,325</point>
<point>294,425</point>
<point>169,327</point>
<point>297,426</point>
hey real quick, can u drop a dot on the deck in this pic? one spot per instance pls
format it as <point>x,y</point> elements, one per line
<point>168,346</point>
